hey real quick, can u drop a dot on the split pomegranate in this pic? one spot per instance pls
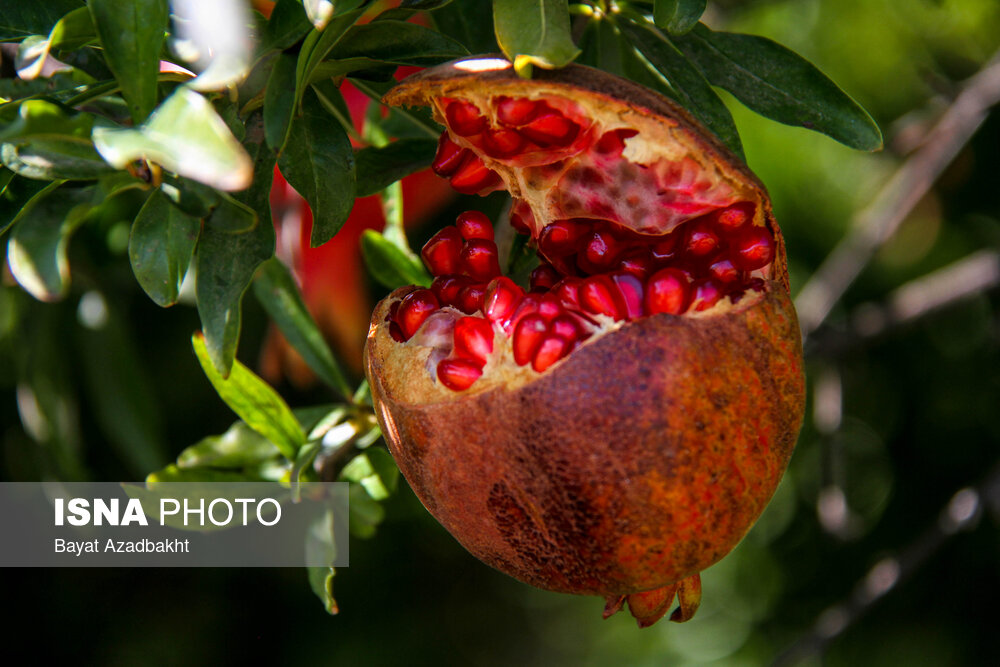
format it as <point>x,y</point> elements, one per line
<point>616,425</point>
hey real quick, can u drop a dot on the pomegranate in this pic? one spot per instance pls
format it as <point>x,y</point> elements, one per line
<point>615,426</point>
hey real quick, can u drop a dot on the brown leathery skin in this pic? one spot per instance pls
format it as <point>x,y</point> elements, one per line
<point>642,458</point>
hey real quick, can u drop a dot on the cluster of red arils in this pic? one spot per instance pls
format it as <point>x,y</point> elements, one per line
<point>591,269</point>
<point>523,126</point>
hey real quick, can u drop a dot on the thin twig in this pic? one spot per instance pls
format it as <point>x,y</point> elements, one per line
<point>875,224</point>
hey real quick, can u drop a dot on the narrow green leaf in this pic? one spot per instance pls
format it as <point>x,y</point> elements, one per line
<point>132,35</point>
<point>317,45</point>
<point>365,513</point>
<point>184,135</point>
<point>377,168</point>
<point>47,143</point>
<point>225,263</point>
<point>678,16</point>
<point>36,251</point>
<point>160,248</point>
<point>321,582</point>
<point>253,401</point>
<point>232,216</point>
<point>396,42</point>
<point>239,447</point>
<point>389,265</point>
<point>17,192</point>
<point>276,290</point>
<point>375,471</point>
<point>534,32</point>
<point>693,91</point>
<point>320,12</point>
<point>73,30</point>
<point>319,163</point>
<point>321,547</point>
<point>423,5</point>
<point>781,85</point>
<point>279,101</point>
<point>21,19</point>
<point>172,473</point>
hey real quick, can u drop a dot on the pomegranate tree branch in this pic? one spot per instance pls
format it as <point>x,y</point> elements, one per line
<point>876,223</point>
<point>961,513</point>
<point>951,284</point>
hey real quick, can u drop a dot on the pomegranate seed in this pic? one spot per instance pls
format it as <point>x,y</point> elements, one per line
<point>479,259</point>
<point>666,249</point>
<point>501,299</point>
<point>474,225</point>
<point>513,111</point>
<point>441,252</point>
<point>473,339</point>
<point>448,157</point>
<point>543,277</point>
<point>723,270</point>
<point>529,305</point>
<point>565,326</point>
<point>700,240</point>
<point>396,333</point>
<point>638,262</point>
<point>752,248</point>
<point>612,144</point>
<point>458,374</point>
<point>598,296</point>
<point>415,308</point>
<point>470,298</point>
<point>551,129</point>
<point>446,288</point>
<point>503,143</point>
<point>528,335</point>
<point>732,218</point>
<point>562,237</point>
<point>567,291</point>
<point>464,118</point>
<point>550,350</point>
<point>473,176</point>
<point>602,249</point>
<point>705,294</point>
<point>549,307</point>
<point>631,293</point>
<point>667,292</point>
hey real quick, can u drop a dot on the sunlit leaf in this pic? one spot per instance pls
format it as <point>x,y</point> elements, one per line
<point>132,35</point>
<point>276,290</point>
<point>320,12</point>
<point>253,401</point>
<point>319,163</point>
<point>693,92</point>
<point>390,265</point>
<point>778,83</point>
<point>240,446</point>
<point>377,168</point>
<point>678,16</point>
<point>375,471</point>
<point>184,135</point>
<point>45,142</point>
<point>534,32</point>
<point>36,251</point>
<point>73,30</point>
<point>33,57</point>
<point>160,248</point>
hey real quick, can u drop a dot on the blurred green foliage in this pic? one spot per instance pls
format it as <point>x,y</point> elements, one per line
<point>103,385</point>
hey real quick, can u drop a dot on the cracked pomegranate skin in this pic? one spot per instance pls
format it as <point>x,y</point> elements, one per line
<point>637,461</point>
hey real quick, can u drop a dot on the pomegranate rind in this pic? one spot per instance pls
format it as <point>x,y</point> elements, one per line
<point>644,456</point>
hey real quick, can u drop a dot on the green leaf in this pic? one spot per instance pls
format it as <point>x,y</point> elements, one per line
<point>279,101</point>
<point>132,36</point>
<point>534,32</point>
<point>320,546</point>
<point>20,19</point>
<point>464,22</point>
<point>287,25</point>
<point>232,216</point>
<point>191,197</point>
<point>276,290</point>
<point>253,401</point>
<point>184,135</point>
<point>160,248</point>
<point>423,5</point>
<point>693,92</point>
<point>36,251</point>
<point>239,447</point>
<point>394,42</point>
<point>781,85</point>
<point>390,265</point>
<point>73,30</point>
<point>17,192</point>
<point>316,46</point>
<point>365,513</point>
<point>45,142</point>
<point>321,582</point>
<point>172,473</point>
<point>319,163</point>
<point>375,471</point>
<point>225,263</point>
<point>678,16</point>
<point>320,12</point>
<point>377,168</point>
